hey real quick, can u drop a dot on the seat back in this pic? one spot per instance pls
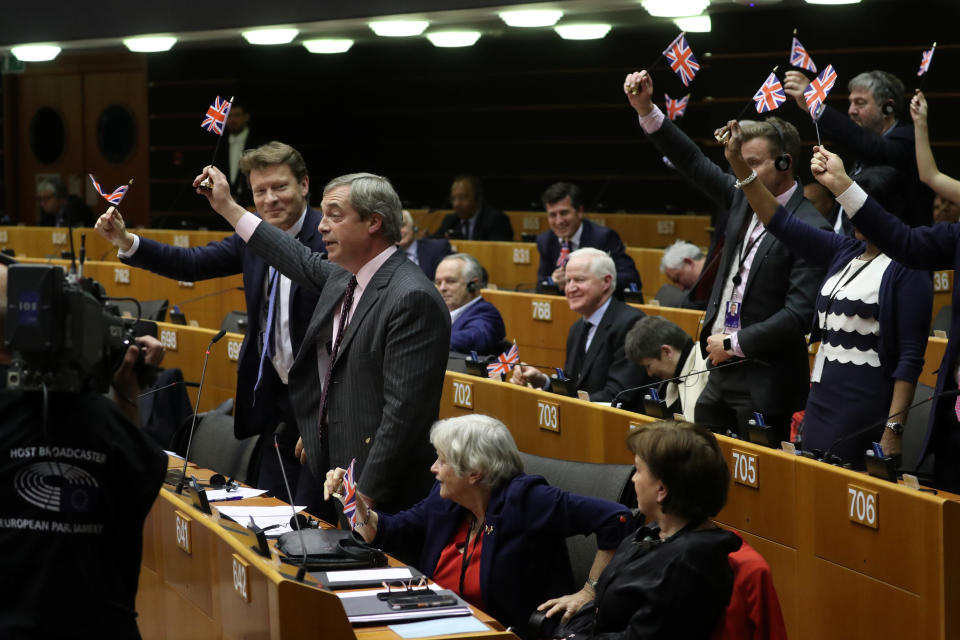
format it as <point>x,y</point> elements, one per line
<point>670,296</point>
<point>155,310</point>
<point>235,322</point>
<point>914,431</point>
<point>215,447</point>
<point>607,481</point>
<point>942,320</point>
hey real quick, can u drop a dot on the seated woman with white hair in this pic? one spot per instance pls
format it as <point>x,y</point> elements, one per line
<point>491,533</point>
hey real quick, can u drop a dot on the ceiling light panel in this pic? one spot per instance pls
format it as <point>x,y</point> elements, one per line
<point>582,31</point>
<point>675,8</point>
<point>149,44</point>
<point>454,38</point>
<point>270,36</point>
<point>35,52</point>
<point>531,17</point>
<point>695,24</point>
<point>328,45</point>
<point>399,28</point>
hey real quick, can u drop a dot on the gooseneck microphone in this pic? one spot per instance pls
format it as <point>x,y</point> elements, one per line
<point>731,363</point>
<point>302,571</point>
<point>196,408</point>
<point>209,295</point>
<point>828,455</point>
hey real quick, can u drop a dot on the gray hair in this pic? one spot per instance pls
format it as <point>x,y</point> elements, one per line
<point>369,194</point>
<point>478,444</point>
<point>470,268</point>
<point>54,185</point>
<point>674,254</point>
<point>407,219</point>
<point>600,265</point>
<point>883,86</point>
<point>649,334</point>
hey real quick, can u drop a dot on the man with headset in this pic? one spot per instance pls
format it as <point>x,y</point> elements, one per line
<point>877,132</point>
<point>476,325</point>
<point>763,297</point>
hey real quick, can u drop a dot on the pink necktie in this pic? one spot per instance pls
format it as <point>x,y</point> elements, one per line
<point>564,254</point>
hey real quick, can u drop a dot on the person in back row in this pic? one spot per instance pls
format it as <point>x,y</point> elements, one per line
<point>472,218</point>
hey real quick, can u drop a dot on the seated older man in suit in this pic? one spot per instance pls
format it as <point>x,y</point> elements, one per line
<point>426,253</point>
<point>569,231</point>
<point>596,356</point>
<point>476,325</point>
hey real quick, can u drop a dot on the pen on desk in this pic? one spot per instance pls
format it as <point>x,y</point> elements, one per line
<point>231,499</point>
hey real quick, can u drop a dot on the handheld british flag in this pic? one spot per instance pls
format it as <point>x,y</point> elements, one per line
<point>817,91</point>
<point>681,59</point>
<point>770,95</point>
<point>800,58</point>
<point>350,495</point>
<point>115,196</point>
<point>676,108</point>
<point>926,60</point>
<point>216,116</point>
<point>504,361</point>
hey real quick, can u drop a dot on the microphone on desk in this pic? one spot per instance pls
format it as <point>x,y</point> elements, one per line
<point>832,458</point>
<point>294,521</point>
<point>729,363</point>
<point>193,425</point>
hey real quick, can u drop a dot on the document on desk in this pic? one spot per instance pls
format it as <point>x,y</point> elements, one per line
<point>361,578</point>
<point>439,627</point>
<point>235,494</point>
<point>276,518</point>
<point>369,609</point>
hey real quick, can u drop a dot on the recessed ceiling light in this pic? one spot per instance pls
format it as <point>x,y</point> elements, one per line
<point>696,24</point>
<point>833,1</point>
<point>675,8</point>
<point>270,36</point>
<point>149,44</point>
<point>328,45</point>
<point>582,31</point>
<point>35,52</point>
<point>399,28</point>
<point>454,38</point>
<point>531,17</point>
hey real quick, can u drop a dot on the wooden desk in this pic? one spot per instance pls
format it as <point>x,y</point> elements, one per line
<point>835,578</point>
<point>223,589</point>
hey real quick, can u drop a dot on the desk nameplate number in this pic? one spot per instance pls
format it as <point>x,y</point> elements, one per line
<point>182,523</point>
<point>168,338</point>
<point>942,281</point>
<point>181,240</point>
<point>121,275</point>
<point>746,469</point>
<point>463,395</point>
<point>863,506</point>
<point>233,350</point>
<point>58,237</point>
<point>521,255</point>
<point>531,223</point>
<point>542,310</point>
<point>241,583</point>
<point>548,415</point>
<point>3,236</point>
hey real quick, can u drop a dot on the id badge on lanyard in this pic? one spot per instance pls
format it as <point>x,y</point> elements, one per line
<point>731,317</point>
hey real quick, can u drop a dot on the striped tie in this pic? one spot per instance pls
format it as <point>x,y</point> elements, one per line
<point>344,315</point>
<point>564,254</point>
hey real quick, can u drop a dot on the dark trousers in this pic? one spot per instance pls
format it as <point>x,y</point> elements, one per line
<point>726,403</point>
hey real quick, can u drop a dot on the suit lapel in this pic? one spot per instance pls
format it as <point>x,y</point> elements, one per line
<point>321,322</point>
<point>599,338</point>
<point>370,296</point>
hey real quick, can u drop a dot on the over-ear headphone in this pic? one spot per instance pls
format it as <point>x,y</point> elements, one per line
<point>472,286</point>
<point>783,161</point>
<point>887,109</point>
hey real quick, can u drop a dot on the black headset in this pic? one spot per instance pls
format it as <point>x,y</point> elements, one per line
<point>888,109</point>
<point>472,286</point>
<point>783,161</point>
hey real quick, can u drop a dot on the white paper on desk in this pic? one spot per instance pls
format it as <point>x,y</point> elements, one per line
<point>438,627</point>
<point>392,573</point>
<point>263,517</point>
<point>239,492</point>
<point>370,592</point>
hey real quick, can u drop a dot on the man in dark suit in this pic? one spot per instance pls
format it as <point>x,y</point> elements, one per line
<point>763,298</point>
<point>476,325</point>
<point>367,381</point>
<point>281,188</point>
<point>596,354</point>
<point>877,132</point>
<point>426,253</point>
<point>60,209</point>
<point>239,139</point>
<point>570,231</point>
<point>472,218</point>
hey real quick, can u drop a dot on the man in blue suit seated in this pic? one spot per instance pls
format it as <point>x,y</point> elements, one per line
<point>426,253</point>
<point>280,186</point>
<point>476,324</point>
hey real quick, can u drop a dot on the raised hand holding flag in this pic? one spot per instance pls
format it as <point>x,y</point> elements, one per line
<point>115,197</point>
<point>800,58</point>
<point>350,495</point>
<point>681,59</point>
<point>818,90</point>
<point>676,108</point>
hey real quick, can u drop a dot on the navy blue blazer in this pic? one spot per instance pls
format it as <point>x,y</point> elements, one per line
<point>226,258</point>
<point>524,559</point>
<point>931,248</point>
<point>598,237</point>
<point>491,224</point>
<point>479,328</point>
<point>430,252</point>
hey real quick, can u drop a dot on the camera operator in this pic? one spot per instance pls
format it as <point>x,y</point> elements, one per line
<point>77,479</point>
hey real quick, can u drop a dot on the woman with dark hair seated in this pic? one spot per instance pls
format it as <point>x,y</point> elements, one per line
<point>872,320</point>
<point>489,532</point>
<point>672,578</point>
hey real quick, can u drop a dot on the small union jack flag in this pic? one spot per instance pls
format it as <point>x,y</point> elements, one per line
<point>504,361</point>
<point>115,197</point>
<point>770,95</point>
<point>676,108</point>
<point>564,254</point>
<point>350,495</point>
<point>800,58</point>
<point>926,60</point>
<point>681,59</point>
<point>817,91</point>
<point>216,116</point>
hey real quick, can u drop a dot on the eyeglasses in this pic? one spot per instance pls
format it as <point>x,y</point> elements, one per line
<point>408,588</point>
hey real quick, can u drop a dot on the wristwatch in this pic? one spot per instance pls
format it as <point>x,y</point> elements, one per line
<point>727,344</point>
<point>896,427</point>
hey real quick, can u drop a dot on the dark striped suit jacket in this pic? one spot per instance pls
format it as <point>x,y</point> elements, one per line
<point>387,379</point>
